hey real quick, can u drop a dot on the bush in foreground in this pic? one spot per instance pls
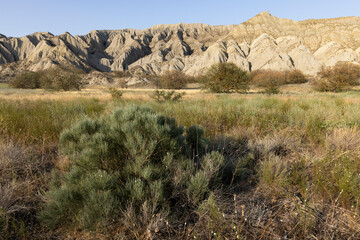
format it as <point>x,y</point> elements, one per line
<point>134,163</point>
<point>225,78</point>
<point>337,78</point>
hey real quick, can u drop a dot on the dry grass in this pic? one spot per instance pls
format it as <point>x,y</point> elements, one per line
<point>23,173</point>
<point>343,139</point>
<point>303,145</point>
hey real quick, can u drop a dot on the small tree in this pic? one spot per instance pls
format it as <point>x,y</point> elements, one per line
<point>226,77</point>
<point>338,77</point>
<point>59,78</point>
<point>28,80</point>
<point>173,79</point>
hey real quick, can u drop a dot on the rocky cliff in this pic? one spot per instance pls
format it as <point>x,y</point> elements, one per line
<point>263,42</point>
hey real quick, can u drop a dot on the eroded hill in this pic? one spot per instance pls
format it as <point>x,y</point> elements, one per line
<point>263,42</point>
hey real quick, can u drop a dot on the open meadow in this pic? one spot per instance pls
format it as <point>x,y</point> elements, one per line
<point>287,165</point>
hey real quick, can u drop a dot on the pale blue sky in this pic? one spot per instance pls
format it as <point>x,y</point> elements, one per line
<point>21,17</point>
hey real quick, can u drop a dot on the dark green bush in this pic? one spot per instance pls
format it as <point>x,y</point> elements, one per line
<point>225,78</point>
<point>133,162</point>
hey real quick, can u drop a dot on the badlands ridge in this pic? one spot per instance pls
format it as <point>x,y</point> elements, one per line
<point>263,42</point>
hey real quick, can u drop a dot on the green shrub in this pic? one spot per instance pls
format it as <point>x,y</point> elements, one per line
<point>337,78</point>
<point>209,175</point>
<point>85,199</point>
<point>199,187</point>
<point>225,78</point>
<point>28,80</point>
<point>166,96</point>
<point>121,161</point>
<point>173,80</point>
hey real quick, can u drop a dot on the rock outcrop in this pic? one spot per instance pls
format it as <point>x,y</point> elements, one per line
<point>263,42</point>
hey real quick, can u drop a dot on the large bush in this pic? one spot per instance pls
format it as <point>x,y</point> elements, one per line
<point>338,77</point>
<point>27,80</point>
<point>294,77</point>
<point>225,78</point>
<point>129,166</point>
<point>173,80</point>
<point>57,78</point>
<point>62,79</point>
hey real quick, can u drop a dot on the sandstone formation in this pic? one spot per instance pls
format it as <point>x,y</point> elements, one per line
<point>263,42</point>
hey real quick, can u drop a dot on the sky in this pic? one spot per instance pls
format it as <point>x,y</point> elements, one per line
<point>22,17</point>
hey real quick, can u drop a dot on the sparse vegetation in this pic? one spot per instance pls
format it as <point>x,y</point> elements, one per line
<point>122,74</point>
<point>225,78</point>
<point>271,80</point>
<point>166,96</point>
<point>260,166</point>
<point>116,95</point>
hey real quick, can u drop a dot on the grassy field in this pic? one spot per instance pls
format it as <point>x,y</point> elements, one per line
<point>4,86</point>
<point>299,176</point>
